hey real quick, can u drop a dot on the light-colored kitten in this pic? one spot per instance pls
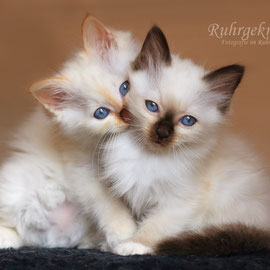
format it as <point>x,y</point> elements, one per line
<point>177,166</point>
<point>50,194</point>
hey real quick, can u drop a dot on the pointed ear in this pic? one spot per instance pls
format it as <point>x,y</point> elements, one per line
<point>96,38</point>
<point>155,50</point>
<point>54,94</point>
<point>224,81</point>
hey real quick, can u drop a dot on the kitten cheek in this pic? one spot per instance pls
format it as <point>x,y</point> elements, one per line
<point>119,125</point>
<point>190,135</point>
<point>116,124</point>
<point>147,130</point>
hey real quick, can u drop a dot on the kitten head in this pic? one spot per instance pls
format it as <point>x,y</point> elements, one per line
<point>86,96</point>
<point>174,102</point>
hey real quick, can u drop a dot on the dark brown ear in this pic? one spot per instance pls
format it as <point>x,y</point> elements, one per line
<point>225,80</point>
<point>155,50</point>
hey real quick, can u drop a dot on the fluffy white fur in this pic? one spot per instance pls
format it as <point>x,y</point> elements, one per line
<point>50,193</point>
<point>204,176</point>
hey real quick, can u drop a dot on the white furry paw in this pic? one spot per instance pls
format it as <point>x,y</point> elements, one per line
<point>132,248</point>
<point>35,218</point>
<point>9,238</point>
<point>121,230</point>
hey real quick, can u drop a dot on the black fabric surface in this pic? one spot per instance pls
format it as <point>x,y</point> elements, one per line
<point>31,258</point>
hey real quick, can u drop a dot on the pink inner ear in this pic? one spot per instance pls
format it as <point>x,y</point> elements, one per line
<point>105,43</point>
<point>51,97</point>
<point>96,38</point>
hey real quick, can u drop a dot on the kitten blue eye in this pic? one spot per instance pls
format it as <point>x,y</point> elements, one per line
<point>188,120</point>
<point>101,113</point>
<point>124,88</point>
<point>151,105</point>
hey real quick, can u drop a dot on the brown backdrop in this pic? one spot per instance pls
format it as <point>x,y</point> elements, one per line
<point>36,36</point>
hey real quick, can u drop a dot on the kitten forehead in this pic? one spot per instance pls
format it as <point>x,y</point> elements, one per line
<point>91,79</point>
<point>111,98</point>
<point>182,84</point>
<point>176,86</point>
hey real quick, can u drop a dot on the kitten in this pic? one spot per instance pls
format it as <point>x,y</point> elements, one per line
<point>177,167</point>
<point>50,193</point>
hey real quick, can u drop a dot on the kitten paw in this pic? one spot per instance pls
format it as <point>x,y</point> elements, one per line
<point>121,230</point>
<point>35,218</point>
<point>132,248</point>
<point>9,238</point>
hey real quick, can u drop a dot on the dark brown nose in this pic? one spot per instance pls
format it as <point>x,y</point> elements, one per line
<point>163,132</point>
<point>164,129</point>
<point>125,115</point>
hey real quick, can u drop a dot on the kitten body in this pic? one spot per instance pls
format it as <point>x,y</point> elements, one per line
<point>179,178</point>
<point>50,193</point>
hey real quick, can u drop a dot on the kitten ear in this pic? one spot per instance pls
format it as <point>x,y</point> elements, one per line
<point>155,50</point>
<point>225,80</point>
<point>54,94</point>
<point>96,38</point>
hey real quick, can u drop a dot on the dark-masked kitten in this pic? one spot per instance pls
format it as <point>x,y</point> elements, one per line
<point>177,167</point>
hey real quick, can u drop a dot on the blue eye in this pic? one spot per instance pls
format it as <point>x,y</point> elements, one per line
<point>101,113</point>
<point>124,88</point>
<point>151,105</point>
<point>188,120</point>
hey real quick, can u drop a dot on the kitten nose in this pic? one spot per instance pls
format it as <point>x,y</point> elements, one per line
<point>163,131</point>
<point>125,115</point>
<point>164,127</point>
